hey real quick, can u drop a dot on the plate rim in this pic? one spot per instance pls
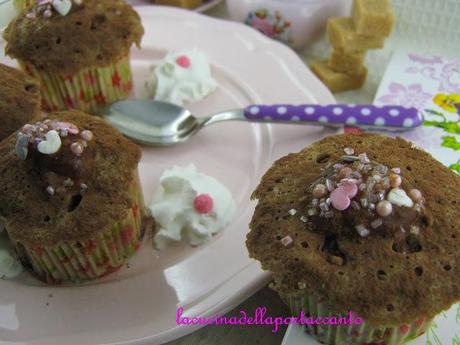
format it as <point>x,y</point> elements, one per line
<point>319,93</point>
<point>260,280</point>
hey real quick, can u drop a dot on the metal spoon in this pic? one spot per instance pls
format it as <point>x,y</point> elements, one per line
<point>161,124</point>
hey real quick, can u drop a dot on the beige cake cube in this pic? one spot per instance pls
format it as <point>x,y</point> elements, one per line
<point>342,34</point>
<point>346,62</point>
<point>337,81</point>
<point>180,3</point>
<point>373,17</point>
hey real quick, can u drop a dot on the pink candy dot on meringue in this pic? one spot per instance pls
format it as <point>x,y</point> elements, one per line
<point>203,203</point>
<point>340,199</point>
<point>183,61</point>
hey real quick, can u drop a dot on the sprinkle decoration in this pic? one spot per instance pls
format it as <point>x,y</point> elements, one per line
<point>183,61</point>
<point>21,147</point>
<point>50,144</point>
<point>47,8</point>
<point>203,203</point>
<point>287,241</point>
<point>356,183</point>
<point>47,138</point>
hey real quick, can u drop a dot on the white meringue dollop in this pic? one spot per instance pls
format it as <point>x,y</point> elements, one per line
<point>10,266</point>
<point>177,216</point>
<point>183,76</point>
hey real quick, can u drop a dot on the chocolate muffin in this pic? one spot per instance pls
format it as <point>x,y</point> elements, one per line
<point>362,223</point>
<point>19,100</point>
<point>77,49</point>
<point>71,201</point>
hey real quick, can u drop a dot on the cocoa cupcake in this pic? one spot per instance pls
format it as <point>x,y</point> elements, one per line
<point>362,223</point>
<point>71,201</point>
<point>19,100</point>
<point>80,54</point>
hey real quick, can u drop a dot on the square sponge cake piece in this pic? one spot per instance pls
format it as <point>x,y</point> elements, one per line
<point>338,81</point>
<point>341,33</point>
<point>373,17</point>
<point>350,63</point>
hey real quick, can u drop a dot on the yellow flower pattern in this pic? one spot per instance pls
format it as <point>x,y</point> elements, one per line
<point>449,103</point>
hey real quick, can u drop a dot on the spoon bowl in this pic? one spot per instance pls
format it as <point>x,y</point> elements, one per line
<point>152,122</point>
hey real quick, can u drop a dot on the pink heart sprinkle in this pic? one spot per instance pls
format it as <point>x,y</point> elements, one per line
<point>340,200</point>
<point>349,188</point>
<point>203,203</point>
<point>183,61</point>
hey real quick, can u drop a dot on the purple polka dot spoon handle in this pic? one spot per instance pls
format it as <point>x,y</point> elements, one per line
<point>365,116</point>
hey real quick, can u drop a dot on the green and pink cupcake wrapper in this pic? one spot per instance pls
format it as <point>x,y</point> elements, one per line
<point>90,259</point>
<point>88,90</point>
<point>362,334</point>
<point>21,5</point>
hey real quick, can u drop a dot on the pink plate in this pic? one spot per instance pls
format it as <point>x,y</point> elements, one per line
<point>207,4</point>
<point>137,305</point>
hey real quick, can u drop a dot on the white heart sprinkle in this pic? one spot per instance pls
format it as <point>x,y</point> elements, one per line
<point>62,6</point>
<point>398,197</point>
<point>295,118</point>
<point>51,145</point>
<point>323,119</point>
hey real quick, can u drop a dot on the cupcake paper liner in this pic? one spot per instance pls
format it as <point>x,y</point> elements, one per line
<point>90,259</point>
<point>88,90</point>
<point>21,5</point>
<point>362,334</point>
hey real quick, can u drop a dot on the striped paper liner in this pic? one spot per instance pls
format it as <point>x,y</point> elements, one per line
<point>88,90</point>
<point>362,334</point>
<point>93,258</point>
<point>21,5</point>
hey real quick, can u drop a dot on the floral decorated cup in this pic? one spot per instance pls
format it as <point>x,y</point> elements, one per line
<point>294,22</point>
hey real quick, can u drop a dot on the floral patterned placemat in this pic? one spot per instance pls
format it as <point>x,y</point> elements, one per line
<point>432,85</point>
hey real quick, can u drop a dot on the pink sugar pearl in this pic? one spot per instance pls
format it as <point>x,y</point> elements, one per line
<point>69,127</point>
<point>395,180</point>
<point>349,188</point>
<point>344,172</point>
<point>415,195</point>
<point>76,148</point>
<point>384,208</point>
<point>319,191</point>
<point>339,199</point>
<point>183,61</point>
<point>203,203</point>
<point>87,135</point>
